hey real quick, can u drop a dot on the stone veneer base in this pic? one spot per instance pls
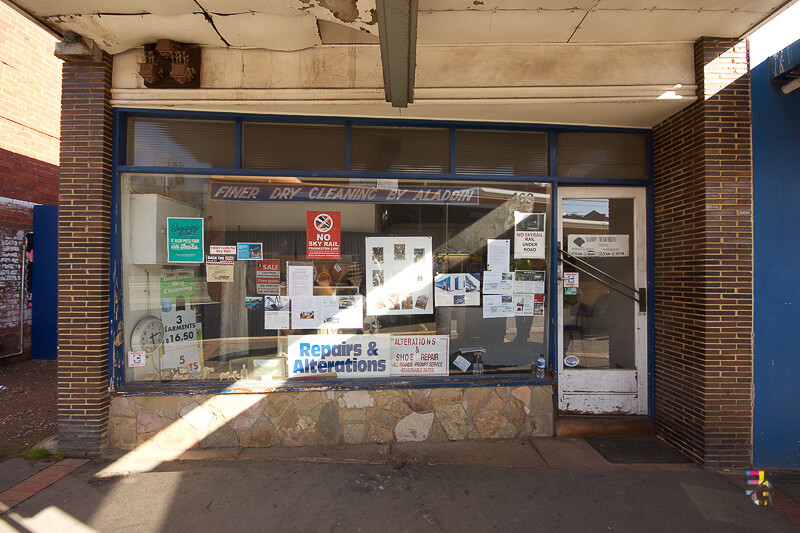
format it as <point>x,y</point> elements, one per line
<point>308,418</point>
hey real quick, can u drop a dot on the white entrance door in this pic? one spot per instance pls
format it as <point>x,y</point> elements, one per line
<point>602,284</point>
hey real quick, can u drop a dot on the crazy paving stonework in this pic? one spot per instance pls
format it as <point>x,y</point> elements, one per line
<point>180,422</point>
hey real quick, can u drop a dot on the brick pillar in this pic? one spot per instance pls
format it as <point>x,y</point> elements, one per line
<point>704,263</point>
<point>83,257</point>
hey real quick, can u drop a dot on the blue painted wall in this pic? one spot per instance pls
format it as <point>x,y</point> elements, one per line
<point>776,210</point>
<point>44,329</point>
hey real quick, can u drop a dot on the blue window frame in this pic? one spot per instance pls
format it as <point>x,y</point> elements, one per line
<point>120,146</point>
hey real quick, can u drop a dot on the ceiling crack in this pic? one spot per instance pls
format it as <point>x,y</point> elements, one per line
<point>248,12</point>
<point>210,20</point>
<point>579,25</point>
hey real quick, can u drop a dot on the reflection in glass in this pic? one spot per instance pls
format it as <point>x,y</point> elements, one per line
<point>599,234</point>
<point>234,336</point>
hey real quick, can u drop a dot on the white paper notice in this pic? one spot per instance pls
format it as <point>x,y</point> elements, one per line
<point>457,290</point>
<point>538,305</point>
<point>498,254</point>
<point>136,359</point>
<point>571,279</point>
<point>305,313</point>
<point>399,275</point>
<point>529,235</point>
<point>419,355</point>
<point>529,304</point>
<point>388,184</point>
<point>342,312</point>
<point>497,306</point>
<point>529,281</point>
<point>300,281</point>
<point>276,312</point>
<point>219,268</point>
<point>523,304</point>
<point>496,282</point>
<point>461,363</point>
<point>222,250</point>
<point>598,245</point>
<point>329,312</point>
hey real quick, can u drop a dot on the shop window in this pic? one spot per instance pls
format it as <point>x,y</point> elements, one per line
<point>285,279</point>
<point>507,153</point>
<point>379,149</point>
<point>293,147</point>
<point>154,142</point>
<point>602,155</point>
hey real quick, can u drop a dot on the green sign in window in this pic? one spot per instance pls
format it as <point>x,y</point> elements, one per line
<point>185,240</point>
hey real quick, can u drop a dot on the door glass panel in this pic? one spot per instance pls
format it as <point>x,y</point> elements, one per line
<point>599,313</point>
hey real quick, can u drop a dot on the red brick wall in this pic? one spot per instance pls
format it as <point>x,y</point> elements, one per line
<point>30,93</point>
<point>83,257</point>
<point>703,263</point>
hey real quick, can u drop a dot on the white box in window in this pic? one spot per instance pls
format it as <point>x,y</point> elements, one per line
<point>148,229</point>
<point>269,369</point>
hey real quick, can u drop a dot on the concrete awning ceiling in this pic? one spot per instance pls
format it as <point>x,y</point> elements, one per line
<point>295,25</point>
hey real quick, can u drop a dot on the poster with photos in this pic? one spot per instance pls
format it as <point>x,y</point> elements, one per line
<point>328,312</point>
<point>496,282</point>
<point>529,281</point>
<point>523,304</point>
<point>458,290</point>
<point>498,306</point>
<point>276,312</point>
<point>399,274</point>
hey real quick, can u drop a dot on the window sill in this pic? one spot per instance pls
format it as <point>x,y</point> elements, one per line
<point>262,387</point>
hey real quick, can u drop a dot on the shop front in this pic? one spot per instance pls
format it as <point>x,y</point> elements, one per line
<point>284,282</point>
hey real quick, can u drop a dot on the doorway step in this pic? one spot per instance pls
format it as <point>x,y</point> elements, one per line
<point>589,426</point>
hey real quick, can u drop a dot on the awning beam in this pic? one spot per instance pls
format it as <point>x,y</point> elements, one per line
<point>397,26</point>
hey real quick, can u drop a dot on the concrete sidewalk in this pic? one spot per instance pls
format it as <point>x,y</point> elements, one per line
<point>542,484</point>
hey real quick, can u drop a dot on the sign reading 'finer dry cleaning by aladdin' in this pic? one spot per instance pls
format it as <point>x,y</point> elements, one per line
<point>342,193</point>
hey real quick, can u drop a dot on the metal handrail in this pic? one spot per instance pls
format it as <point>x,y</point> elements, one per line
<point>640,294</point>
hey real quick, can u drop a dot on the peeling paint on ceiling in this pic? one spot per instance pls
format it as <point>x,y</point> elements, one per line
<point>293,24</point>
<point>344,10</point>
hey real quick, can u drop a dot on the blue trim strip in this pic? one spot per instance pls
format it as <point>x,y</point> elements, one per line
<point>785,63</point>
<point>116,361</point>
<point>552,345</point>
<point>421,123</point>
